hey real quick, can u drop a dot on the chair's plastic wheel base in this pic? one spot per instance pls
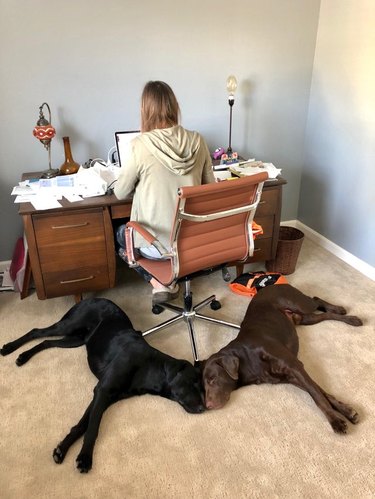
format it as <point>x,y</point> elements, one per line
<point>157,309</point>
<point>215,305</point>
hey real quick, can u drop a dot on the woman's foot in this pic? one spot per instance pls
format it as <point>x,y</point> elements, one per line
<point>162,294</point>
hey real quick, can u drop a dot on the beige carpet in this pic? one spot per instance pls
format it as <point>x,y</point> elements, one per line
<point>268,442</point>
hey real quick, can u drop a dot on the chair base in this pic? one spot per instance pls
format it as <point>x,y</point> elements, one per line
<point>189,314</point>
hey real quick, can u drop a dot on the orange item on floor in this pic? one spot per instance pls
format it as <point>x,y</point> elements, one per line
<point>248,284</point>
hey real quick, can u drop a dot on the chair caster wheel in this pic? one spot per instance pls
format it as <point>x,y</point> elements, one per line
<point>157,309</point>
<point>215,305</point>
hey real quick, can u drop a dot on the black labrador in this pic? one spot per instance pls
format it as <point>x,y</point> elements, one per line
<point>266,349</point>
<point>124,363</point>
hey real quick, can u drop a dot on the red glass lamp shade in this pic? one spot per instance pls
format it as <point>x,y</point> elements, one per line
<point>44,133</point>
<point>43,130</point>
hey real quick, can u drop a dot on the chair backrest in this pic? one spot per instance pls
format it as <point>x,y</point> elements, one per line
<point>213,223</point>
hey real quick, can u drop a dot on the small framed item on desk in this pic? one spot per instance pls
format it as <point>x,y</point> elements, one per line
<point>229,158</point>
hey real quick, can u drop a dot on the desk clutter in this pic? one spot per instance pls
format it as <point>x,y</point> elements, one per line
<point>239,168</point>
<point>45,193</point>
<point>229,165</point>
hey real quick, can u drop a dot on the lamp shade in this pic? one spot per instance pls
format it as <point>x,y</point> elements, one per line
<point>44,132</point>
<point>231,84</point>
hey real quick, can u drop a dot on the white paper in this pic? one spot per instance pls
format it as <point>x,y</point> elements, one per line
<point>21,190</point>
<point>73,198</point>
<point>45,202</point>
<point>272,171</point>
<point>222,175</point>
<point>87,182</point>
<point>24,199</point>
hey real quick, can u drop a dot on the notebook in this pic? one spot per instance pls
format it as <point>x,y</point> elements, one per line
<point>122,140</point>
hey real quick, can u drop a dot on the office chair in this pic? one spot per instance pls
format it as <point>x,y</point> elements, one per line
<point>212,227</point>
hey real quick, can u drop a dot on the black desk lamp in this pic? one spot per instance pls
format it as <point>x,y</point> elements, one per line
<point>231,88</point>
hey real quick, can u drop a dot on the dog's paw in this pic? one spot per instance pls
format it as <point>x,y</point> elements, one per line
<point>58,455</point>
<point>22,359</point>
<point>84,463</point>
<point>339,425</point>
<point>7,349</point>
<point>354,320</point>
<point>353,416</point>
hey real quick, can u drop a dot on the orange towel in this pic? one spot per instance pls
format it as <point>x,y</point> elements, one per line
<point>257,229</point>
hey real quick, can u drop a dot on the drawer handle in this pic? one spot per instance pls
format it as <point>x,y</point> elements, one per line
<point>262,202</point>
<point>257,249</point>
<point>69,226</point>
<point>77,280</point>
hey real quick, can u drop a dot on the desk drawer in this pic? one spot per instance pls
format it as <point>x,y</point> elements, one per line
<point>65,230</point>
<point>267,204</point>
<point>267,224</point>
<point>262,250</point>
<point>75,281</point>
<point>72,251</point>
<point>121,210</point>
<point>268,216</point>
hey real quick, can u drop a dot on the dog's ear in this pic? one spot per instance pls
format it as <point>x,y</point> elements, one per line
<point>231,364</point>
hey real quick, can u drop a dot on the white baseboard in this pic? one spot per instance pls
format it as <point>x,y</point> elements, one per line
<point>333,248</point>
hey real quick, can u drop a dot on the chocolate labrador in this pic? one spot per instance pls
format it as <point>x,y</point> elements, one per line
<point>124,363</point>
<point>266,348</point>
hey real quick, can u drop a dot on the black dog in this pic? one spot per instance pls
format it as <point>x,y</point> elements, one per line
<point>266,348</point>
<point>124,363</point>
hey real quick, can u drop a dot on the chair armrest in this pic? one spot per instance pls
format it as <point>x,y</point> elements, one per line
<point>150,238</point>
<point>142,231</point>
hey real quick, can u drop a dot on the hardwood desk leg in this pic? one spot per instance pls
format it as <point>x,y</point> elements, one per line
<point>239,269</point>
<point>78,297</point>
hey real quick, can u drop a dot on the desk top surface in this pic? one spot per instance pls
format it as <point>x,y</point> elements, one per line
<point>91,202</point>
<point>98,201</point>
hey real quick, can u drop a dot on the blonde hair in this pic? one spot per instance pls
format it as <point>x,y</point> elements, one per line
<point>159,106</point>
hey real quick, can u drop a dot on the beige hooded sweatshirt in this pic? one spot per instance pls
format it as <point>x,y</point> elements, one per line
<point>160,162</point>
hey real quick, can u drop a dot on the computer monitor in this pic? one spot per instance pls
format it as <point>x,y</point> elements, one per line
<point>122,140</point>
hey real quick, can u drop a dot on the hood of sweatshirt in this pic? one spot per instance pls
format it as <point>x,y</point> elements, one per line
<point>175,148</point>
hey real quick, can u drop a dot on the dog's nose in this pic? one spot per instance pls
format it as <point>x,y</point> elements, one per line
<point>210,404</point>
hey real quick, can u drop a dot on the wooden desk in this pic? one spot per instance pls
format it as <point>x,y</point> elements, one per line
<point>72,251</point>
<point>268,215</point>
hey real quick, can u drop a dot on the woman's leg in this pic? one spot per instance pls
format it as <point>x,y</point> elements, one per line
<point>120,239</point>
<point>160,293</point>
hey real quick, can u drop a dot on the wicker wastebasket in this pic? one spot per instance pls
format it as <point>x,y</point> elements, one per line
<point>288,248</point>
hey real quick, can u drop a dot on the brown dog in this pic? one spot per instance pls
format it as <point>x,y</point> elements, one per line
<point>266,348</point>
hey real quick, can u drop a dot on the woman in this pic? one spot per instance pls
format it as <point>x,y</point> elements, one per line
<point>164,157</point>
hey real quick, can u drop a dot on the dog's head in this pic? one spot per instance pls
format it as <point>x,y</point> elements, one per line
<point>220,377</point>
<point>186,387</point>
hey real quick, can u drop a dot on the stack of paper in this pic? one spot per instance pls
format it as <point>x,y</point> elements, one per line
<point>45,193</point>
<point>247,169</point>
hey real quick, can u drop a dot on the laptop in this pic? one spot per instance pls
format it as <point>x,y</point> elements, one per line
<point>122,140</point>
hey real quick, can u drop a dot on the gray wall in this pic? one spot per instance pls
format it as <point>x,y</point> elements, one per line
<point>89,61</point>
<point>338,182</point>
